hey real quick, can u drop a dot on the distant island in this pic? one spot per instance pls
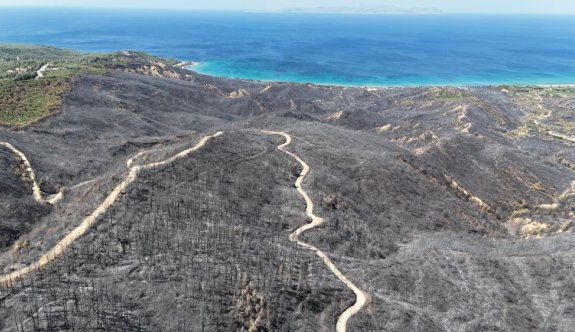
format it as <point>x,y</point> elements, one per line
<point>377,10</point>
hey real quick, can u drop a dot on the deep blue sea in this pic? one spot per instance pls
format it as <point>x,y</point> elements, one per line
<point>374,50</point>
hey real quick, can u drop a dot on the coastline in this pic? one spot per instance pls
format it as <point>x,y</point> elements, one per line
<point>193,66</point>
<point>357,50</point>
<point>569,85</point>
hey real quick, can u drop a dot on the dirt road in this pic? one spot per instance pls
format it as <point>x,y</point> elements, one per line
<point>361,297</point>
<point>90,220</point>
<point>40,72</point>
<point>35,187</point>
<point>561,136</point>
<point>550,132</point>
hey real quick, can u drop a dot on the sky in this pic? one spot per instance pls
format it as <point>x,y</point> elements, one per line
<point>448,6</point>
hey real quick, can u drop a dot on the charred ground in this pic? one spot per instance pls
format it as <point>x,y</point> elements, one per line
<point>451,207</point>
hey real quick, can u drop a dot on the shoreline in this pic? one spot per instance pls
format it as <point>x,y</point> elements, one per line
<point>190,65</point>
<point>186,64</point>
<point>569,85</point>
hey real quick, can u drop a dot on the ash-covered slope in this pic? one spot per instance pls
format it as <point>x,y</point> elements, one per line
<point>451,208</point>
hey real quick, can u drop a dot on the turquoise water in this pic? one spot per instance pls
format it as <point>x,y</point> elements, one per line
<point>231,70</point>
<point>373,50</point>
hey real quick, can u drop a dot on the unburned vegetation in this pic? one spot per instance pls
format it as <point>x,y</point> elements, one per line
<point>27,96</point>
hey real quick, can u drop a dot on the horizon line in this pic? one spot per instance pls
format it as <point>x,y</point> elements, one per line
<point>279,11</point>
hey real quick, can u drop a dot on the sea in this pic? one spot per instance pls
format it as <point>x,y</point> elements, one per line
<point>335,49</point>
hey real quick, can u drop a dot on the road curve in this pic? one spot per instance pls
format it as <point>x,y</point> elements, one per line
<point>361,297</point>
<point>53,199</point>
<point>551,132</point>
<point>90,220</point>
<point>40,72</point>
<point>35,187</point>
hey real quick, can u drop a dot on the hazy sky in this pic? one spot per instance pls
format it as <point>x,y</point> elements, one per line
<point>476,6</point>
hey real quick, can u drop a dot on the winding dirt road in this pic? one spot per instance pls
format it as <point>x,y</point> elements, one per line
<point>134,171</point>
<point>89,221</point>
<point>551,132</point>
<point>361,297</point>
<point>53,199</point>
